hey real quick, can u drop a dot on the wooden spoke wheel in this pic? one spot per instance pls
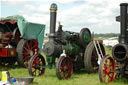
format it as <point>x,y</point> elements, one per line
<point>106,70</point>
<point>64,68</point>
<point>36,64</point>
<point>26,49</point>
<point>91,57</point>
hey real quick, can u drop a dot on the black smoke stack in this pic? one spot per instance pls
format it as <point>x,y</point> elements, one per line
<point>53,9</point>
<point>120,51</point>
<point>123,23</point>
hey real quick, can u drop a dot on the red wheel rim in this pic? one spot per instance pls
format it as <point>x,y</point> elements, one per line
<point>36,66</point>
<point>107,68</point>
<point>29,48</point>
<point>65,68</point>
<point>94,57</point>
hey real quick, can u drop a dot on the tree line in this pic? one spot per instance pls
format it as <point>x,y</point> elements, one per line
<point>106,35</point>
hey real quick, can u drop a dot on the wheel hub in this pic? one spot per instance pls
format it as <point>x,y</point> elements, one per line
<point>64,68</point>
<point>30,53</point>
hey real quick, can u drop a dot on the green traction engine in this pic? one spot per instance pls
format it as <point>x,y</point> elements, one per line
<point>68,47</point>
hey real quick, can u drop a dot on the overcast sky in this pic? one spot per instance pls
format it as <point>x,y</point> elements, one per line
<point>97,15</point>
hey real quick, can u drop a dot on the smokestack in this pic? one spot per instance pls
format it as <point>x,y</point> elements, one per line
<point>53,9</point>
<point>123,23</point>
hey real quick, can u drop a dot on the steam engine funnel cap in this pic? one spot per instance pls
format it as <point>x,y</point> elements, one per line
<point>124,4</point>
<point>53,7</point>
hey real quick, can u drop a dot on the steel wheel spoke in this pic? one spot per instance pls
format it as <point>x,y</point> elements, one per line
<point>25,48</point>
<point>30,44</point>
<point>65,68</point>
<point>37,62</point>
<point>107,66</point>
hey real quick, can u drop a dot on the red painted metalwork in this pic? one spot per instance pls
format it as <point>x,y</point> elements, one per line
<point>7,52</point>
<point>65,68</point>
<point>29,50</point>
<point>3,52</point>
<point>37,62</point>
<point>107,66</point>
<point>11,21</point>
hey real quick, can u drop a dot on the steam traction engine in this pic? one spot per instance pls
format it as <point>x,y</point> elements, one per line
<point>108,69</point>
<point>70,49</point>
<point>19,40</point>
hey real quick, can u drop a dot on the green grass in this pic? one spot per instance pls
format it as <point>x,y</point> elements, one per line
<point>49,78</point>
<point>108,51</point>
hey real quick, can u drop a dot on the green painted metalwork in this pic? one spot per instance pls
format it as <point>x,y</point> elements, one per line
<point>68,35</point>
<point>51,61</point>
<point>30,30</point>
<point>86,37</point>
<point>51,66</point>
<point>15,17</point>
<point>71,49</point>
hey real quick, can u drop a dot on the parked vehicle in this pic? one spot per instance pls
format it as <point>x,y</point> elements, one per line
<point>74,51</point>
<point>117,65</point>
<point>19,40</point>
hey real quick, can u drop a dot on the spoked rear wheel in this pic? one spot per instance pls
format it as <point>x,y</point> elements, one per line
<point>106,70</point>
<point>26,49</point>
<point>35,66</point>
<point>64,68</point>
<point>91,57</point>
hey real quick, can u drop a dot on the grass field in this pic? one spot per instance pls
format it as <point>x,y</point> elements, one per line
<point>49,78</point>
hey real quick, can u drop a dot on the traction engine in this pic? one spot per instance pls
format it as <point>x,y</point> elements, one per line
<point>114,68</point>
<point>74,51</point>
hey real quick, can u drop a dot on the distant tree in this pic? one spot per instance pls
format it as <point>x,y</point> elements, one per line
<point>106,35</point>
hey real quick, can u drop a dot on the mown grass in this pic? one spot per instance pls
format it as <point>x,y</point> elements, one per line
<point>108,51</point>
<point>49,78</point>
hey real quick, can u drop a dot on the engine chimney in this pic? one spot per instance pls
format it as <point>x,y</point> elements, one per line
<point>53,9</point>
<point>120,51</point>
<point>123,23</point>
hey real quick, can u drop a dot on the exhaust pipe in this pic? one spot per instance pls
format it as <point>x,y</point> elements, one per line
<point>53,9</point>
<point>120,51</point>
<point>123,23</point>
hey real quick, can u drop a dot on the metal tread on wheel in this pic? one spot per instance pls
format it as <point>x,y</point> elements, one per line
<point>64,68</point>
<point>36,66</point>
<point>107,70</point>
<point>91,57</point>
<point>25,50</point>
